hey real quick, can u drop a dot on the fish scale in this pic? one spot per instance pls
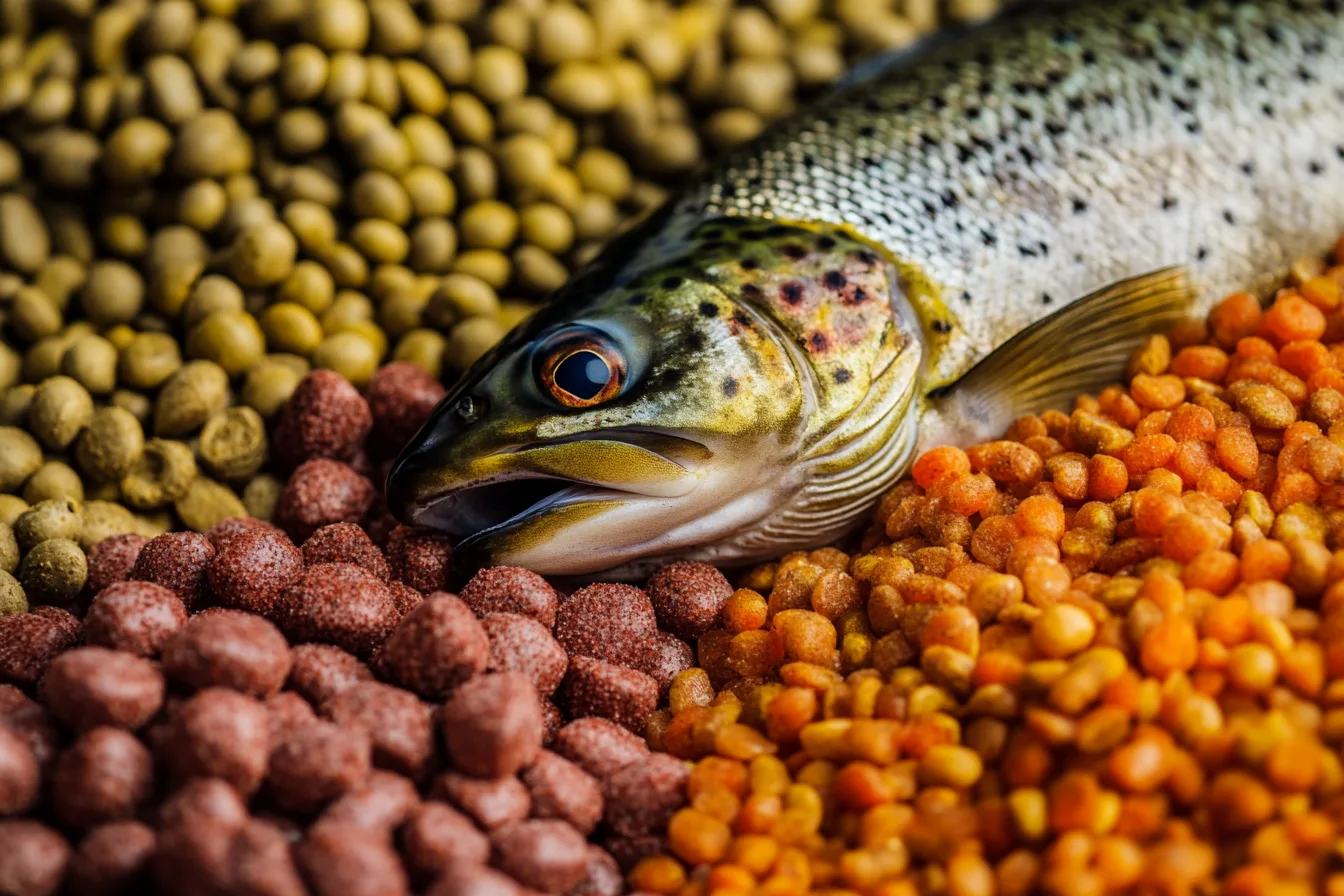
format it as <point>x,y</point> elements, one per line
<point>981,228</point>
<point>1042,157</point>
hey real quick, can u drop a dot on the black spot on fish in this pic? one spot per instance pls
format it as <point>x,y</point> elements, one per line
<point>1166,69</point>
<point>1229,217</point>
<point>1027,251</point>
<point>1079,206</point>
<point>950,199</point>
<point>1088,57</point>
<point>928,140</point>
<point>1273,34</point>
<point>1192,83</point>
<point>1194,127</point>
<point>964,153</point>
<point>1134,17</point>
<point>791,292</point>
<point>713,233</point>
<point>741,318</point>
<point>826,243</point>
<point>1028,157</point>
<point>1175,45</point>
<point>1304,74</point>
<point>965,296</point>
<point>751,291</point>
<point>671,376</point>
<point>867,131</point>
<point>750,264</point>
<point>972,113</point>
<point>809,160</point>
<point>1242,55</point>
<point>1064,37</point>
<point>988,238</point>
<point>1315,167</point>
<point>709,309</point>
<point>730,387</point>
<point>777,230</point>
<point>872,161</point>
<point>817,341</point>
<point>1076,103</point>
<point>1248,168</point>
<point>794,251</point>
<point>638,299</point>
<point>842,376</point>
<point>1267,110</point>
<point>929,208</point>
<point>872,105</point>
<point>866,256</point>
<point>1202,253</point>
<point>938,103</point>
<point>833,280</point>
<point>1339,151</point>
<point>1055,129</point>
<point>671,282</point>
<point>942,326</point>
<point>1021,87</point>
<point>1181,103</point>
<point>859,296</point>
<point>1168,203</point>
<point>1046,299</point>
<point>695,341</point>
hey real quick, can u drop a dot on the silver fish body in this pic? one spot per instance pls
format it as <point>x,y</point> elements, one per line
<point>1047,155</point>
<point>774,336</point>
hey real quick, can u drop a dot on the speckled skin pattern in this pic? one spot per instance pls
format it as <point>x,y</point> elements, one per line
<point>783,318</point>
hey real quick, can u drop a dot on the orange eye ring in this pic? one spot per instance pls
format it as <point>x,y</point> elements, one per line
<point>582,372</point>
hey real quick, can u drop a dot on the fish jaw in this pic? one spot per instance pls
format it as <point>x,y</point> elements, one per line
<point>584,530</point>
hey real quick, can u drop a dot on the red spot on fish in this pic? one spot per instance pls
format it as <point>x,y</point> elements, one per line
<point>817,342</point>
<point>792,293</point>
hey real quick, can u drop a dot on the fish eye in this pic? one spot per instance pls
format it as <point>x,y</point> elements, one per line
<point>582,371</point>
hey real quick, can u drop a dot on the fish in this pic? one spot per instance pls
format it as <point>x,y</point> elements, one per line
<point>980,227</point>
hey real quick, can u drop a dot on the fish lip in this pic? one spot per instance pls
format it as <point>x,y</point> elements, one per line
<point>428,511</point>
<point>424,513</point>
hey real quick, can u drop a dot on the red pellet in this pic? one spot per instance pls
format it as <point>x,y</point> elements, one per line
<point>325,417</point>
<point>136,617</point>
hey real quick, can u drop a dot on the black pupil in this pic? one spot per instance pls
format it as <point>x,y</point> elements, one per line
<point>583,374</point>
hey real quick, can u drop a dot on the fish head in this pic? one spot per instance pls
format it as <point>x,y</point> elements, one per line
<point>659,409</point>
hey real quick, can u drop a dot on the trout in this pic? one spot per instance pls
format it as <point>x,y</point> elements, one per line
<point>960,234</point>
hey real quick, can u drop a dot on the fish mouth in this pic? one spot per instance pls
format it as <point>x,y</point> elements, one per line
<point>541,486</point>
<point>476,512</point>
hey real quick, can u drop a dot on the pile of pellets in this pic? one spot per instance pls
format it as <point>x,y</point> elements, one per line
<point>292,707</point>
<point>200,202</point>
<point>1104,654</point>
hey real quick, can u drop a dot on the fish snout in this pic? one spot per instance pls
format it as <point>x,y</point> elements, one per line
<point>424,469</point>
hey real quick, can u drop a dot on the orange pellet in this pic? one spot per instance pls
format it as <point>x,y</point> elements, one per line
<point>1040,516</point>
<point>939,463</point>
<point>1169,646</point>
<point>1292,317</point>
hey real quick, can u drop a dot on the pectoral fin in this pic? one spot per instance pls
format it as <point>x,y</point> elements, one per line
<point>1082,347</point>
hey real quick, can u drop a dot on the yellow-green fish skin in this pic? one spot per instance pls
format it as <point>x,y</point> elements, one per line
<point>964,192</point>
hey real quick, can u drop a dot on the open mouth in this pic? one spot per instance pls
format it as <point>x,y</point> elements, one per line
<point>478,509</point>
<point>527,482</point>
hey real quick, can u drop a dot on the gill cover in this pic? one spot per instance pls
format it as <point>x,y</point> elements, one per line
<point>727,391</point>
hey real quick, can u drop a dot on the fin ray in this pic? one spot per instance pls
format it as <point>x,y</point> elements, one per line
<point>1080,348</point>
